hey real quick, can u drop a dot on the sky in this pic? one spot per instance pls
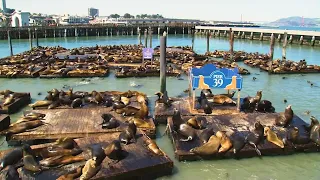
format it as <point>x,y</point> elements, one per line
<point>229,10</point>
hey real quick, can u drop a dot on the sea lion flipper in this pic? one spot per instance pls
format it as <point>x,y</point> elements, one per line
<point>256,148</point>
<point>186,140</point>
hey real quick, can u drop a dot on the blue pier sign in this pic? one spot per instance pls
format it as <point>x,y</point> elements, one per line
<point>209,77</point>
<point>147,53</point>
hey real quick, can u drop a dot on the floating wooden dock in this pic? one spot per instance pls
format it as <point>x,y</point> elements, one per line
<point>184,105</point>
<point>4,122</point>
<point>75,123</point>
<point>240,123</point>
<point>144,74</point>
<point>16,105</point>
<point>140,162</point>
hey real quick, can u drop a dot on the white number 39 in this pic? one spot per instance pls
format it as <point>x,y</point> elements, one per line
<point>218,82</point>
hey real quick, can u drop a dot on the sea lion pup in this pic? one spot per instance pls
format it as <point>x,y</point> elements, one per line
<point>295,138</point>
<point>256,136</point>
<point>206,134</point>
<point>186,131</point>
<point>11,158</point>
<point>90,169</point>
<point>128,134</point>
<point>114,150</point>
<point>209,148</point>
<point>40,104</point>
<point>265,106</point>
<point>238,142</point>
<point>11,173</point>
<point>60,160</point>
<point>284,119</point>
<point>72,174</point>
<point>196,123</point>
<point>225,141</point>
<point>8,100</point>
<point>29,161</point>
<point>153,147</point>
<point>272,137</point>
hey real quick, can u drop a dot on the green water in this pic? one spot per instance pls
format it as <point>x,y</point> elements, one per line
<point>295,89</point>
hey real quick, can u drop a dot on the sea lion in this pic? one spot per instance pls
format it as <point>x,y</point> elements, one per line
<point>265,106</point>
<point>8,100</point>
<point>118,105</point>
<point>40,104</point>
<point>65,143</point>
<point>11,158</point>
<point>209,148</point>
<point>238,142</point>
<point>54,104</point>
<point>60,160</point>
<point>114,150</point>
<point>112,123</point>
<point>186,131</point>
<point>230,95</point>
<point>225,142</point>
<point>256,136</point>
<point>196,123</point>
<point>98,152</point>
<point>29,161</point>
<point>97,96</point>
<point>284,119</point>
<point>207,92</point>
<point>221,99</point>
<point>163,98</point>
<point>33,115</point>
<point>6,92</point>
<point>23,126</point>
<point>49,97</point>
<point>11,173</point>
<point>76,103</point>
<point>272,137</point>
<point>54,92</point>
<point>143,111</point>
<point>249,103</point>
<point>127,111</point>
<point>128,134</point>
<point>57,151</point>
<point>176,119</point>
<point>90,169</point>
<point>71,175</point>
<point>294,136</point>
<point>314,121</point>
<point>141,99</point>
<point>125,100</point>
<point>315,131</point>
<point>153,147</point>
<point>206,134</point>
<point>140,123</point>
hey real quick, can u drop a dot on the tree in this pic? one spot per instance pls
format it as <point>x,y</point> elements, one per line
<point>138,16</point>
<point>115,16</point>
<point>127,15</point>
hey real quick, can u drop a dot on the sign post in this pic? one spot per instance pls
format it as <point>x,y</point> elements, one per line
<point>209,77</point>
<point>147,53</point>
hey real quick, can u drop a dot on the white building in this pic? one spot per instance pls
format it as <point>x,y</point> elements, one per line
<point>68,20</point>
<point>164,21</point>
<point>20,19</point>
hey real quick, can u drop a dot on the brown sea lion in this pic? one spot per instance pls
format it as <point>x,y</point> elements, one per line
<point>90,169</point>
<point>294,136</point>
<point>6,92</point>
<point>10,173</point>
<point>209,148</point>
<point>272,137</point>
<point>76,103</point>
<point>110,124</point>
<point>97,151</point>
<point>8,100</point>
<point>54,105</point>
<point>65,143</point>
<point>72,175</point>
<point>29,161</point>
<point>206,134</point>
<point>125,100</point>
<point>127,94</point>
<point>230,95</point>
<point>114,150</point>
<point>33,115</point>
<point>255,137</point>
<point>60,160</point>
<point>176,119</point>
<point>141,99</point>
<point>52,152</point>
<point>11,158</point>
<point>140,123</point>
<point>129,133</point>
<point>23,126</point>
<point>196,123</point>
<point>225,142</point>
<point>284,119</point>
<point>238,142</point>
<point>315,130</point>
<point>153,147</point>
<point>40,104</point>
<point>221,99</point>
<point>143,111</point>
<point>128,111</point>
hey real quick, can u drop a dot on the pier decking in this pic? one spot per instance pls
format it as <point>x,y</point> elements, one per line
<point>75,123</point>
<point>139,163</point>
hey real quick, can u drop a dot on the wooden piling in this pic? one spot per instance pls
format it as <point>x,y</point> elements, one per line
<point>272,41</point>
<point>139,34</point>
<point>261,37</point>
<point>313,40</point>
<point>208,42</point>
<point>87,32</point>
<point>290,39</point>
<point>37,38</point>
<point>158,30</point>
<point>279,38</point>
<point>284,46</point>
<point>54,33</point>
<point>30,38</point>
<point>150,37</point>
<point>231,38</point>
<point>243,36</point>
<point>301,40</point>
<point>239,35</point>
<point>163,63</point>
<point>192,34</point>
<point>225,34</point>
<point>251,36</point>
<point>10,43</point>
<point>167,30</point>
<point>145,38</point>
<point>218,33</point>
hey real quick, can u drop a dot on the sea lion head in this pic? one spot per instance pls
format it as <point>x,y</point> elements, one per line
<point>259,93</point>
<point>289,106</point>
<point>314,120</point>
<point>258,125</point>
<point>266,130</point>
<point>296,130</point>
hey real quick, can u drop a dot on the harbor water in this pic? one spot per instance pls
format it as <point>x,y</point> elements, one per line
<point>294,88</point>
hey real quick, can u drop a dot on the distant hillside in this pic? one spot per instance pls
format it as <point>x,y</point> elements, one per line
<point>296,21</point>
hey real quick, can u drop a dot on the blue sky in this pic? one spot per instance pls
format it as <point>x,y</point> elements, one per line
<point>251,10</point>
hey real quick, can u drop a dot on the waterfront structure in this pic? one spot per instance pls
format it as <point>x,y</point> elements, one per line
<point>93,12</point>
<point>68,19</point>
<point>20,19</point>
<point>4,6</point>
<point>230,24</point>
<point>127,21</point>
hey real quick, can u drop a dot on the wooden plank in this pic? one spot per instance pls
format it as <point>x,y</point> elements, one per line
<point>75,123</point>
<point>140,162</point>
<point>16,105</point>
<point>240,123</point>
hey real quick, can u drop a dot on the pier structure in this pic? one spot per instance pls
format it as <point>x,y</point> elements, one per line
<point>91,30</point>
<point>311,38</point>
